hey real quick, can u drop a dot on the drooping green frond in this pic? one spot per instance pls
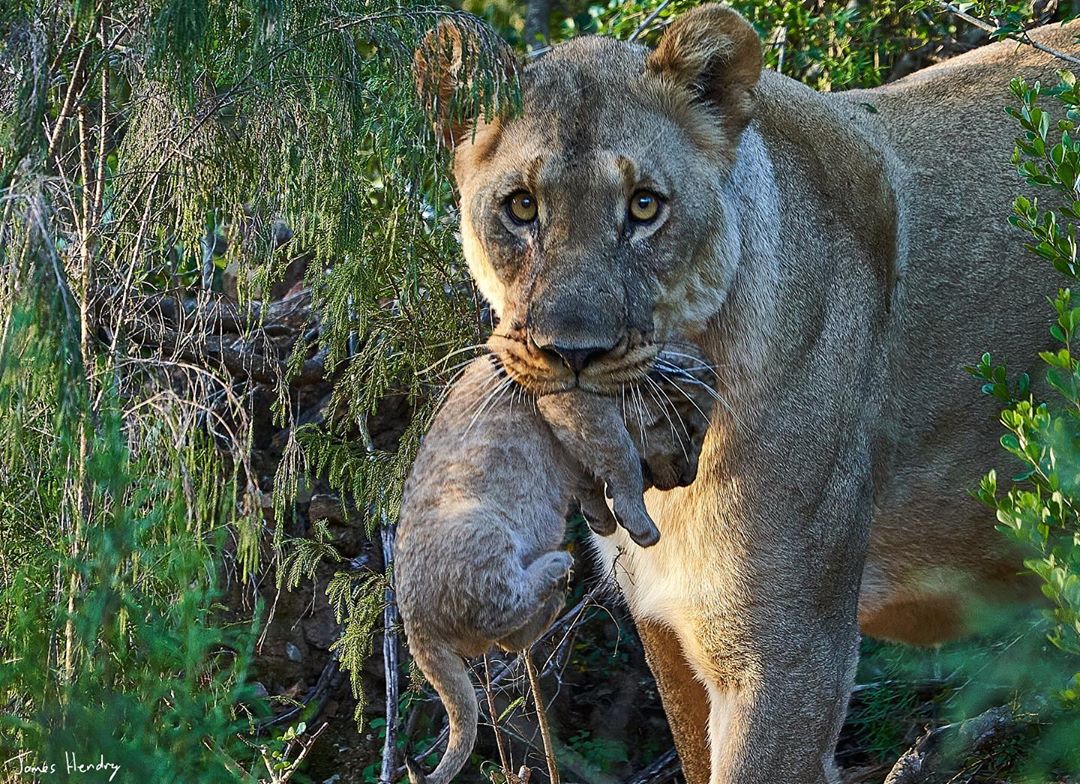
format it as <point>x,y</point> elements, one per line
<point>165,167</point>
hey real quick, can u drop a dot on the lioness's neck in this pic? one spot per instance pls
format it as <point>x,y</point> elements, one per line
<point>746,253</point>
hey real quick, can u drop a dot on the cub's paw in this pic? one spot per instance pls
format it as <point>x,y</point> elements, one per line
<point>629,510</point>
<point>595,510</point>
<point>557,568</point>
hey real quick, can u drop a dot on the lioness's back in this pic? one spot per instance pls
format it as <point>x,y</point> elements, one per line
<point>963,286</point>
<point>920,170</point>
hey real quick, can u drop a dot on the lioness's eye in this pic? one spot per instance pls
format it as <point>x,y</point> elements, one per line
<point>644,206</point>
<point>522,207</point>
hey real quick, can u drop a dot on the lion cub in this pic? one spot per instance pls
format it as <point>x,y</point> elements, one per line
<point>484,514</point>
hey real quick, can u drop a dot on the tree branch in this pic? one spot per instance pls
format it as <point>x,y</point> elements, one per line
<point>537,24</point>
<point>390,660</point>
<point>1022,37</point>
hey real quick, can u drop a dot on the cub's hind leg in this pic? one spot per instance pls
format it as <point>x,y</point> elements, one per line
<point>535,625</point>
<point>530,592</point>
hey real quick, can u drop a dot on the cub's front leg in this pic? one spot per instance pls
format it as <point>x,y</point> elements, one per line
<point>591,430</point>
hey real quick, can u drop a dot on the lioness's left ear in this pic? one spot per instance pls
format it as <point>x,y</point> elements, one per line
<point>716,54</point>
<point>458,70</point>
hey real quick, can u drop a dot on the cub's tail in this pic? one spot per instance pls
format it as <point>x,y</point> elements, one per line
<point>445,670</point>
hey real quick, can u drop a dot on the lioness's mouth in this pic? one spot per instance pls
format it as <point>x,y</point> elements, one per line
<point>540,373</point>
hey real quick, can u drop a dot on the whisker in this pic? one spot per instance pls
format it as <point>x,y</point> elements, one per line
<point>490,400</point>
<point>712,393</point>
<point>639,403</point>
<point>692,402</point>
<point>661,402</point>
<point>462,350</point>
<point>453,369</point>
<point>487,386</point>
<point>449,386</point>
<point>673,372</point>
<point>685,372</point>
<point>699,363</point>
<point>695,352</point>
<point>664,403</point>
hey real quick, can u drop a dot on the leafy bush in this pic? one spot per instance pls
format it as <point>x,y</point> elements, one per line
<point>1041,509</point>
<point>107,612</point>
<point>1041,506</point>
<point>147,146</point>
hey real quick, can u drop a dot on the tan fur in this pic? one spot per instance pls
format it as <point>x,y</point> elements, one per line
<point>840,260</point>
<point>483,516</point>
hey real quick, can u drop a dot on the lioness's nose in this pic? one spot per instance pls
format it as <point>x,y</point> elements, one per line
<point>575,358</point>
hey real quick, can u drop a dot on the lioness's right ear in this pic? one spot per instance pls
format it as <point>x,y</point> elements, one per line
<point>458,71</point>
<point>715,53</point>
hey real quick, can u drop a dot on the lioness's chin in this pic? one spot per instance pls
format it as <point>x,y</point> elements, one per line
<point>539,374</point>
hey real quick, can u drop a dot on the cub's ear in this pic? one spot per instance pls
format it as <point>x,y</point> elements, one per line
<point>715,53</point>
<point>460,69</point>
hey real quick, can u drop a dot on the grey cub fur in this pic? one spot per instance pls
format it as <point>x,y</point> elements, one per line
<point>484,513</point>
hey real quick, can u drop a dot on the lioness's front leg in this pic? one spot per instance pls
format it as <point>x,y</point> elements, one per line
<point>761,595</point>
<point>685,700</point>
<point>776,676</point>
<point>738,716</point>
<point>778,722</point>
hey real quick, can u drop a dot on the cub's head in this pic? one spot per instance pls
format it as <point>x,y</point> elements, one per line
<point>591,221</point>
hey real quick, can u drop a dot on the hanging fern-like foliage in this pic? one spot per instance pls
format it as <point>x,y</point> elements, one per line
<point>149,149</point>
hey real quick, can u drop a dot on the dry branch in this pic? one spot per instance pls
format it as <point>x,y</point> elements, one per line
<point>663,768</point>
<point>929,759</point>
<point>541,718</point>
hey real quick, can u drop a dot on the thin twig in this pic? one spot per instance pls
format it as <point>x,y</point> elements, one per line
<point>99,184</point>
<point>284,775</point>
<point>504,758</point>
<point>649,20</point>
<point>1022,38</point>
<point>541,718</point>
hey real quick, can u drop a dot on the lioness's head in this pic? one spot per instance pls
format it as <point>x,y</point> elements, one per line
<point>591,220</point>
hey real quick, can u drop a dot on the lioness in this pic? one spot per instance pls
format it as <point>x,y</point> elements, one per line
<point>840,258</point>
<point>484,511</point>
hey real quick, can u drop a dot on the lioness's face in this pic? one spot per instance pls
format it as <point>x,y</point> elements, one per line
<point>589,221</point>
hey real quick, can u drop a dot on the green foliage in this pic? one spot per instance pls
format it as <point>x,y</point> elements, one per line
<point>145,146</point>
<point>357,599</point>
<point>108,601</point>
<point>826,45</point>
<point>902,688</point>
<point>1041,507</point>
<point>599,753</point>
<point>1049,155</point>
